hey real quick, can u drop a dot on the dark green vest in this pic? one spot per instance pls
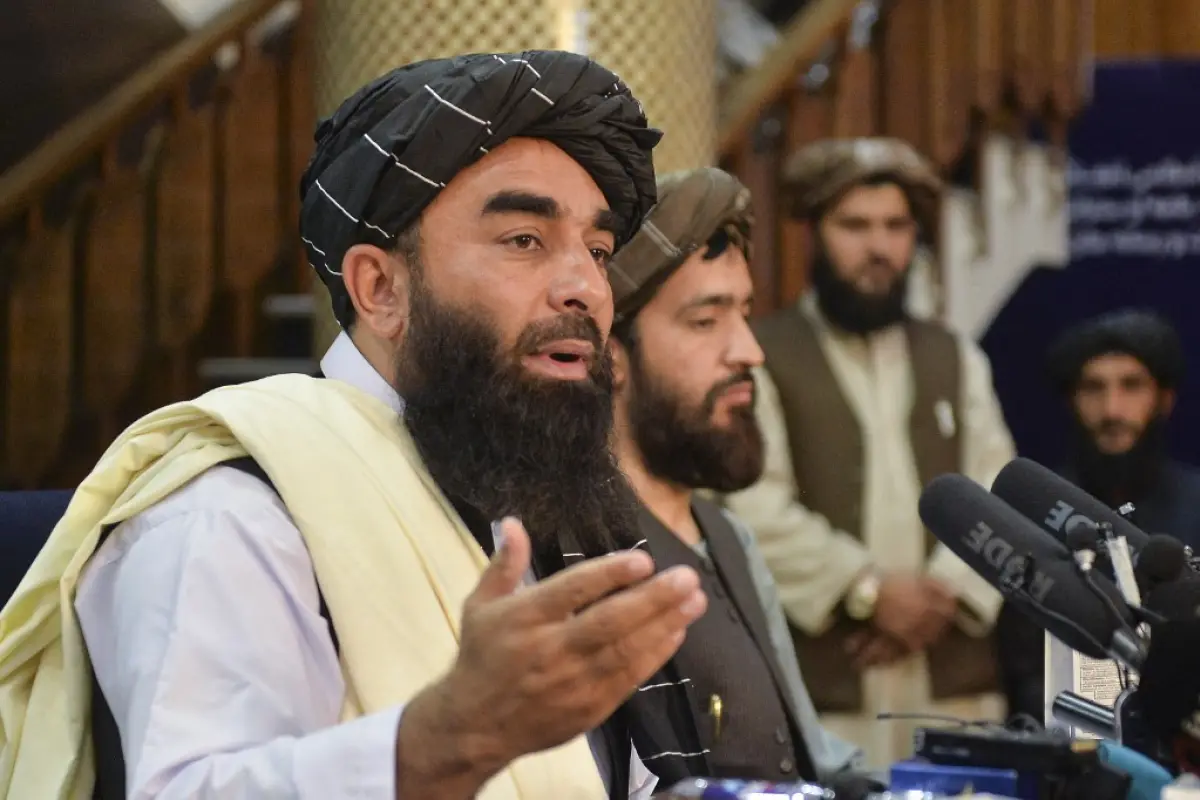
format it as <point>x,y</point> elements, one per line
<point>827,452</point>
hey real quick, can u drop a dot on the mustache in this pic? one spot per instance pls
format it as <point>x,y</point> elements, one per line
<point>744,376</point>
<point>564,326</point>
<point>1115,426</point>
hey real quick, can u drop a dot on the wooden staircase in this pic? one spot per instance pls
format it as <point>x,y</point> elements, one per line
<point>148,250</point>
<point>138,244</point>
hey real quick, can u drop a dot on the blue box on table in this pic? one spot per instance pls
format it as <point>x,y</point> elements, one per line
<point>916,775</point>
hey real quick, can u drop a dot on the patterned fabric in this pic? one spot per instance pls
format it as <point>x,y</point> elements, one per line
<point>383,156</point>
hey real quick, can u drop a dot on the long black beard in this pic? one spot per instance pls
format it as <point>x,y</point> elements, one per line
<point>681,444</point>
<point>1117,478</point>
<point>507,443</point>
<point>850,309</point>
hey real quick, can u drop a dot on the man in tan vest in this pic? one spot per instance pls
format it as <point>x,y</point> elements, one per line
<point>861,405</point>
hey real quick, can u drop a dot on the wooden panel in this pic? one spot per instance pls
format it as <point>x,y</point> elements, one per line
<point>1064,56</point>
<point>987,43</point>
<point>1179,28</point>
<point>114,288</point>
<point>1126,29</point>
<point>1024,56</point>
<point>185,257</point>
<point>252,194</point>
<point>949,73</point>
<point>855,96</point>
<point>757,165</point>
<point>905,101</point>
<point>809,119</point>
<point>184,266</point>
<point>37,381</point>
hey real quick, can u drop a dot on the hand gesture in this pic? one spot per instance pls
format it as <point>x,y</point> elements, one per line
<point>539,665</point>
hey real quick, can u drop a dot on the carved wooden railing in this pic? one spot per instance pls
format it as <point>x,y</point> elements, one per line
<point>143,235</point>
<point>938,73</point>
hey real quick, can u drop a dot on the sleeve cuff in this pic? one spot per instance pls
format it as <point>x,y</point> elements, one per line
<point>979,603</point>
<point>355,759</point>
<point>845,559</point>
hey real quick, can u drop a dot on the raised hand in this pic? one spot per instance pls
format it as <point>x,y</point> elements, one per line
<point>538,665</point>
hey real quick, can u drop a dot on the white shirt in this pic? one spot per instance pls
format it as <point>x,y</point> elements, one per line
<point>202,621</point>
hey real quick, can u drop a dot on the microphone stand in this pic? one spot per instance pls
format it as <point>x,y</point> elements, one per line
<point>1124,723</point>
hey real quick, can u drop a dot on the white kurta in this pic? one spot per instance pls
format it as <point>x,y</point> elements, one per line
<point>814,565</point>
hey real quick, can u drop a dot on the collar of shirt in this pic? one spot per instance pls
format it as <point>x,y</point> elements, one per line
<point>343,362</point>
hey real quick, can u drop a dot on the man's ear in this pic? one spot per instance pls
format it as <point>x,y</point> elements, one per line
<point>1166,402</point>
<point>620,362</point>
<point>378,283</point>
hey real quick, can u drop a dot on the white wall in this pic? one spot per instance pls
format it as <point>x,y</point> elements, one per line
<point>993,238</point>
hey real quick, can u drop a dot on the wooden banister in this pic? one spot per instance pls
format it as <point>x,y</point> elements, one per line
<point>89,133</point>
<point>798,45</point>
<point>143,235</point>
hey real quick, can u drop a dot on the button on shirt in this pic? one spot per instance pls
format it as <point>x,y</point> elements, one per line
<point>201,617</point>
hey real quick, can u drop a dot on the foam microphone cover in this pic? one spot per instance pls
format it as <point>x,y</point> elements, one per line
<point>1175,600</point>
<point>1053,502</point>
<point>1169,685</point>
<point>1162,560</point>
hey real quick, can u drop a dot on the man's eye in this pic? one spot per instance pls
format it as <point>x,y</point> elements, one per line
<point>602,256</point>
<point>524,241</point>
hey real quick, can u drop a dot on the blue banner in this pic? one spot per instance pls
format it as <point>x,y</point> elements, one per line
<point>1134,181</point>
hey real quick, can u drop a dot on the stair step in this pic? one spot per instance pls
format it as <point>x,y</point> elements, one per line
<point>224,371</point>
<point>289,306</point>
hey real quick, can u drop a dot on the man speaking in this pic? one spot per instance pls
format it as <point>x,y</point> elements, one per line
<point>685,421</point>
<point>283,588</point>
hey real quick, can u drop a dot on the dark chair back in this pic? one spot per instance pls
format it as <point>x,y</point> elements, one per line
<point>26,521</point>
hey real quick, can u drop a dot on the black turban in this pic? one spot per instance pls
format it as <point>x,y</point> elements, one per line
<point>382,157</point>
<point>1146,336</point>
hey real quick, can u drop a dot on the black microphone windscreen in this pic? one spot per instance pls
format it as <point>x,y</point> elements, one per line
<point>1169,683</point>
<point>1006,549</point>
<point>1054,502</point>
<point>1162,559</point>
<point>1175,600</point>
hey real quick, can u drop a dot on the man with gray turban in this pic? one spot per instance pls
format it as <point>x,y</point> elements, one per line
<point>684,356</point>
<point>860,405</point>
<point>380,583</point>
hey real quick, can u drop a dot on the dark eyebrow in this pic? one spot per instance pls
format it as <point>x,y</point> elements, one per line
<point>521,203</point>
<point>516,202</point>
<point>717,301</point>
<point>607,221</point>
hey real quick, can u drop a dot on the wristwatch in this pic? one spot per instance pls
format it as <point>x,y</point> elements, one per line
<point>862,597</point>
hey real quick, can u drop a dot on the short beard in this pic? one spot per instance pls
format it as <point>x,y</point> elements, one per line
<point>506,443</point>
<point>1117,478</point>
<point>850,309</point>
<point>680,444</point>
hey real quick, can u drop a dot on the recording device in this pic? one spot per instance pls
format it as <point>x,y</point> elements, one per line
<point>1036,572</point>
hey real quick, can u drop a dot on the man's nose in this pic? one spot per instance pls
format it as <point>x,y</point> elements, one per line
<point>579,285</point>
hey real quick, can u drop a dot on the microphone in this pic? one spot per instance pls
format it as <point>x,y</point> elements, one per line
<point>1054,502</point>
<point>1176,600</point>
<point>1163,559</point>
<point>1033,570</point>
<point>1169,689</point>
